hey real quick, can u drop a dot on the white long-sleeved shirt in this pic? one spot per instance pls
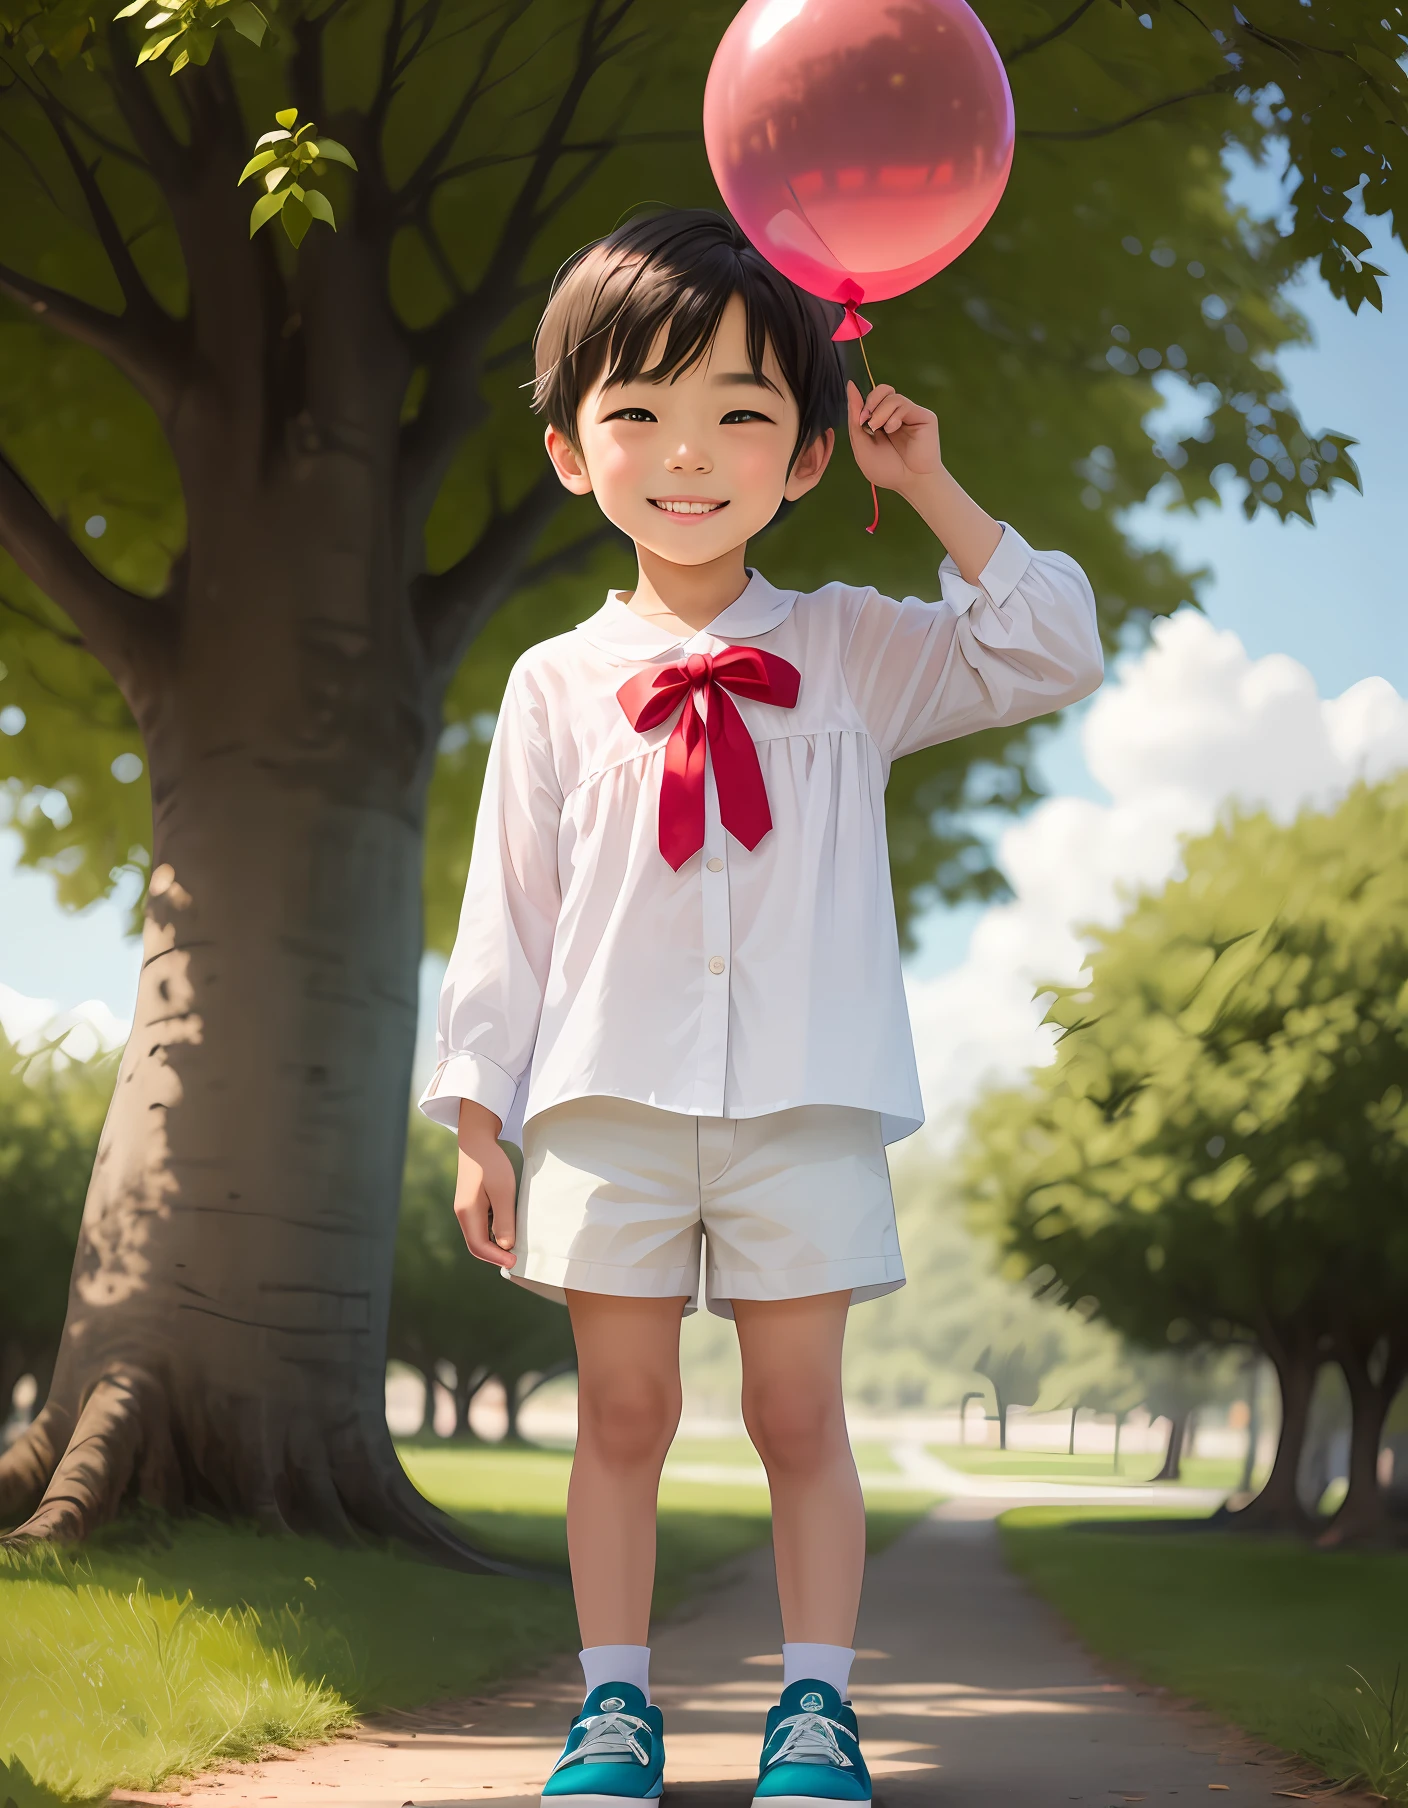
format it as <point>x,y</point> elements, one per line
<point>746,982</point>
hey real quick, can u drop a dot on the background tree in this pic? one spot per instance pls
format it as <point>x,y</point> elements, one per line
<point>1220,1150</point>
<point>448,1308</point>
<point>260,505</point>
<point>51,1110</point>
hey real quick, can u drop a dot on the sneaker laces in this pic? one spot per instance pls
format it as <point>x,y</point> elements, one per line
<point>809,1737</point>
<point>609,1738</point>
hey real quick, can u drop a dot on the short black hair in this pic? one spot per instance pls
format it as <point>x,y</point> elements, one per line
<point>677,269</point>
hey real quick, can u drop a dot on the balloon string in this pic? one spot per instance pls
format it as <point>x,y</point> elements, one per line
<point>874,493</point>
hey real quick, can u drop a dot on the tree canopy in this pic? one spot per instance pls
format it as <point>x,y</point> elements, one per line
<point>491,139</point>
<point>1220,1150</point>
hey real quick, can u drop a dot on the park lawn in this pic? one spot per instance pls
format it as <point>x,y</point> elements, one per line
<point>1264,1632</point>
<point>165,1647</point>
<point>1135,1466</point>
<point>735,1453</point>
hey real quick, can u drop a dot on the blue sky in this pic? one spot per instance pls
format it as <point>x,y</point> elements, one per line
<point>1334,597</point>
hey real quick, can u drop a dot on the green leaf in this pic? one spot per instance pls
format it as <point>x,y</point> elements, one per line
<point>319,206</point>
<point>155,45</point>
<point>260,160</point>
<point>296,219</point>
<point>270,138</point>
<point>266,207</point>
<point>249,22</point>
<point>178,62</point>
<point>334,152</point>
<point>287,116</point>
<point>135,6</point>
<point>157,20</point>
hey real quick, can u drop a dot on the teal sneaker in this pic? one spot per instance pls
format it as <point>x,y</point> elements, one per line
<point>811,1752</point>
<point>615,1752</point>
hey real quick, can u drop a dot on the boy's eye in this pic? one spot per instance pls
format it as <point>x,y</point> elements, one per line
<point>736,415</point>
<point>631,414</point>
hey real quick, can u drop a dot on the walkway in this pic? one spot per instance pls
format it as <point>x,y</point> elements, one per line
<point>970,1693</point>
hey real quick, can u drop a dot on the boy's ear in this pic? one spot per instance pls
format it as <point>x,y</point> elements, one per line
<point>567,462</point>
<point>811,461</point>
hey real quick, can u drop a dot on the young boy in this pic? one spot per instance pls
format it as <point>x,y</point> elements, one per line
<point>677,975</point>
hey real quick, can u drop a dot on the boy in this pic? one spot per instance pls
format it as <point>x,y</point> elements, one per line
<point>677,973</point>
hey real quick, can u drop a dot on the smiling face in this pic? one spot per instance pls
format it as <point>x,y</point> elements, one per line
<point>692,466</point>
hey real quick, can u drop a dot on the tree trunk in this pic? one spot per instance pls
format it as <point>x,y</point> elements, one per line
<point>1119,1427</point>
<point>1363,1515</point>
<point>467,1385</point>
<point>226,1335</point>
<point>1001,1422</point>
<point>1072,1448</point>
<point>1244,1486</point>
<point>427,1411</point>
<point>1172,1469</point>
<point>1278,1508</point>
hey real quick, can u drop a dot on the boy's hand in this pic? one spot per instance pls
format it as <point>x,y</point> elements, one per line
<point>896,442</point>
<point>485,1188</point>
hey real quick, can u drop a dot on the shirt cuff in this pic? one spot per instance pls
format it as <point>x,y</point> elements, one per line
<point>467,1077</point>
<point>999,578</point>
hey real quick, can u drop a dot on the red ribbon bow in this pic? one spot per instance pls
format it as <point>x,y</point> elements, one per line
<point>649,698</point>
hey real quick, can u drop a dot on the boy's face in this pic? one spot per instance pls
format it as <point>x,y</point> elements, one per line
<point>692,467</point>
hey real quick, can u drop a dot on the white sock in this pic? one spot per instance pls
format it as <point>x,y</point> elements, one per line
<point>624,1663</point>
<point>818,1663</point>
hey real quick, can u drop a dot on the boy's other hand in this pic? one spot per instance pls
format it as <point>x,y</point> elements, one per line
<point>895,441</point>
<point>485,1188</point>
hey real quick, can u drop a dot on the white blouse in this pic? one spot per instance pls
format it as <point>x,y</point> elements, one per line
<point>745,982</point>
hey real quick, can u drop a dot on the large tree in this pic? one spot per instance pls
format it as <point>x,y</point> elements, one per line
<point>261,504</point>
<point>1220,1150</point>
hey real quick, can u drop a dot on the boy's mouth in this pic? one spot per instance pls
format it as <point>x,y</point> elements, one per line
<point>687,506</point>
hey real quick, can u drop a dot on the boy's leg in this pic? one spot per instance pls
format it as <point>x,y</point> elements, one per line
<point>792,1406</point>
<point>628,1408</point>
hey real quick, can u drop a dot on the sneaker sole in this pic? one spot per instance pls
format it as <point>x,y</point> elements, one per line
<point>808,1801</point>
<point>608,1801</point>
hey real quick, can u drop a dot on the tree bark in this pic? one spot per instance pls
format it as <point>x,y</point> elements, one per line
<point>1278,1508</point>
<point>226,1335</point>
<point>1172,1469</point>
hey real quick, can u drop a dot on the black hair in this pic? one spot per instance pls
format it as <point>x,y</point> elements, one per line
<point>676,270</point>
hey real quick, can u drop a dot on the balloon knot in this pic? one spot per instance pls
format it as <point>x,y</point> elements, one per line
<point>853,325</point>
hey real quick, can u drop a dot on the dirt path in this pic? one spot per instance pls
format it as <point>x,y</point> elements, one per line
<point>970,1695</point>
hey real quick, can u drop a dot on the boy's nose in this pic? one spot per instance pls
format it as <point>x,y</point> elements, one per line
<point>687,458</point>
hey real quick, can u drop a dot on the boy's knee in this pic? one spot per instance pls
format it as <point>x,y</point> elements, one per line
<point>794,1427</point>
<point>629,1418</point>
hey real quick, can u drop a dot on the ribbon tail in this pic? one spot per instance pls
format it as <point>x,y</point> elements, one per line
<point>682,789</point>
<point>743,797</point>
<point>875,518</point>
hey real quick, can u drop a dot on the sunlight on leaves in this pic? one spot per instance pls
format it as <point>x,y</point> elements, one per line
<point>285,158</point>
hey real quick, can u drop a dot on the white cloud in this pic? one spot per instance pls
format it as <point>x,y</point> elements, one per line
<point>32,1024</point>
<point>1175,734</point>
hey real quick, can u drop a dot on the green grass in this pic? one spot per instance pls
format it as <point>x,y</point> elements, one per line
<point>165,1647</point>
<point>1135,1466</point>
<point>733,1453</point>
<point>1265,1632</point>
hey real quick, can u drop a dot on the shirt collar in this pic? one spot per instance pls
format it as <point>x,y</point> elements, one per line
<point>616,628</point>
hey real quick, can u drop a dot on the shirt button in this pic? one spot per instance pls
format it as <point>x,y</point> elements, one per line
<point>716,865</point>
<point>716,964</point>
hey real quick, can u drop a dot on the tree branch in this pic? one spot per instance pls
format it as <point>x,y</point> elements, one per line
<point>453,346</point>
<point>121,629</point>
<point>450,607</point>
<point>141,303</point>
<point>1048,37</point>
<point>138,353</point>
<point>1215,87</point>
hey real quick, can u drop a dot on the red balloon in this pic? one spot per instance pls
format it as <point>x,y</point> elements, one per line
<point>860,144</point>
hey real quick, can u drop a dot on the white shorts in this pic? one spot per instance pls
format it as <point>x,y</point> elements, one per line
<point>617,1197</point>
